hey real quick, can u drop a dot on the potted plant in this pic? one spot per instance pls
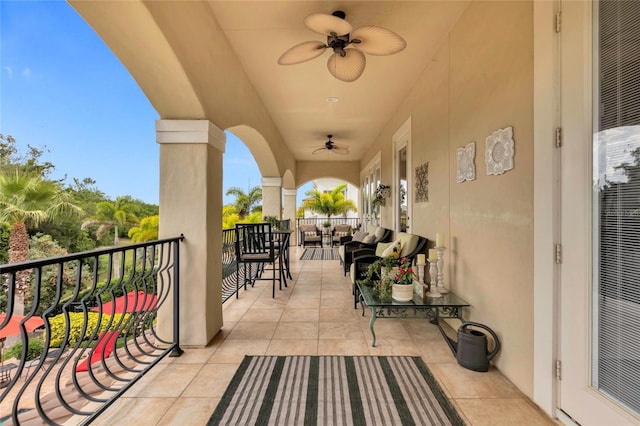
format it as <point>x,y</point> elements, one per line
<point>382,192</point>
<point>402,290</point>
<point>381,274</point>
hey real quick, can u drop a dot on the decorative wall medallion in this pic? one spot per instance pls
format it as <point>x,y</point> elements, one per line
<point>499,153</point>
<point>422,183</point>
<point>466,162</point>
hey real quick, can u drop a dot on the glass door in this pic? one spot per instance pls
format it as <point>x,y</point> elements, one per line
<point>599,341</point>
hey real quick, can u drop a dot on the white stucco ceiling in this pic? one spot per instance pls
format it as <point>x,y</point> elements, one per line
<point>218,60</point>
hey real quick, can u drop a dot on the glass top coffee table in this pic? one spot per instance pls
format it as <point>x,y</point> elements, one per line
<point>447,306</point>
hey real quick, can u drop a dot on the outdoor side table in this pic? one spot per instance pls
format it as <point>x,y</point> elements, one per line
<point>5,372</point>
<point>447,306</point>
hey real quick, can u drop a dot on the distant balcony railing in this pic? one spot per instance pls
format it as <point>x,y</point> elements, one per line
<point>102,319</point>
<point>229,285</point>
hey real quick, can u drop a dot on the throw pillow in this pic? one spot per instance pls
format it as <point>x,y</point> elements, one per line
<point>393,250</point>
<point>369,239</point>
<point>359,236</point>
<point>381,247</point>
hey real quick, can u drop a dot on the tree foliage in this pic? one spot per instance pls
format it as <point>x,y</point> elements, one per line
<point>330,204</point>
<point>147,231</point>
<point>246,203</point>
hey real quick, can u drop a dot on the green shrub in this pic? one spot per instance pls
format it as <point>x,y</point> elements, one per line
<point>34,350</point>
<point>77,319</point>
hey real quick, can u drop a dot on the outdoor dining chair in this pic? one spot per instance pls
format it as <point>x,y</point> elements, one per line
<point>255,248</point>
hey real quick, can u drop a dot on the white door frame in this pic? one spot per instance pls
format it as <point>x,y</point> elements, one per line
<point>367,183</point>
<point>401,139</point>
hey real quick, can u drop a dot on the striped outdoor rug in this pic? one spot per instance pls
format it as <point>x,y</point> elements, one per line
<point>334,390</point>
<point>320,254</point>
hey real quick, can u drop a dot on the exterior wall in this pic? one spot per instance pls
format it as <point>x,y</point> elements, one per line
<point>480,80</point>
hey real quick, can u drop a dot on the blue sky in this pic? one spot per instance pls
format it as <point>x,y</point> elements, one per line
<point>62,88</point>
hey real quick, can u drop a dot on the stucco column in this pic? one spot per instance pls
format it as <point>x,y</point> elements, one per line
<point>191,204</point>
<point>272,196</point>
<point>289,212</point>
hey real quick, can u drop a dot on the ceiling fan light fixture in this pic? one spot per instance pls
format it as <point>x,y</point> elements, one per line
<point>324,24</point>
<point>349,67</point>
<point>378,41</point>
<point>302,52</point>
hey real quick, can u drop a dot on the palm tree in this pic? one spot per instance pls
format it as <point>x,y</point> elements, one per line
<point>246,203</point>
<point>329,204</point>
<point>112,216</point>
<point>147,231</point>
<point>28,200</point>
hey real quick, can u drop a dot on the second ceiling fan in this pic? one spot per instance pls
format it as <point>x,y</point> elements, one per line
<point>347,61</point>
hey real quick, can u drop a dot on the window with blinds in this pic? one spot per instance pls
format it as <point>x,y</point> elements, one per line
<point>616,360</point>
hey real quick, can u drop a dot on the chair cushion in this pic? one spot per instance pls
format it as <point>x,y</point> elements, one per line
<point>341,252</point>
<point>393,250</point>
<point>381,247</point>
<point>369,239</point>
<point>409,243</point>
<point>341,227</point>
<point>308,229</point>
<point>359,236</point>
<point>379,233</point>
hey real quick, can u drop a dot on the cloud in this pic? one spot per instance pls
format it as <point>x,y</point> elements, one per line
<point>26,73</point>
<point>9,71</point>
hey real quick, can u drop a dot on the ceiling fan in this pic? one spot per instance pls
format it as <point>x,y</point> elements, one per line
<point>347,61</point>
<point>330,146</point>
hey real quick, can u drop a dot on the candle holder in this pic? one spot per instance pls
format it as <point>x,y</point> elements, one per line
<point>440,264</point>
<point>433,276</point>
<point>420,267</point>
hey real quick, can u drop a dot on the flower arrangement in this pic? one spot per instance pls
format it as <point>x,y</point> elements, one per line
<point>405,272</point>
<point>382,192</point>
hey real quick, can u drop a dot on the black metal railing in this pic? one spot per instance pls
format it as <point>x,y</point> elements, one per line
<point>229,285</point>
<point>107,317</point>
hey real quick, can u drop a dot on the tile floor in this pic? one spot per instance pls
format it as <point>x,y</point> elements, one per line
<point>313,316</point>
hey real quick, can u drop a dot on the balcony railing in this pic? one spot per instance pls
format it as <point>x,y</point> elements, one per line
<point>229,283</point>
<point>106,318</point>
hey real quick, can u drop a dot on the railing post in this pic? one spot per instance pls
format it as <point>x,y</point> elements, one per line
<point>176,351</point>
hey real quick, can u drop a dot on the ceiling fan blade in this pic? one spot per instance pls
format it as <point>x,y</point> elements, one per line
<point>319,150</point>
<point>349,67</point>
<point>302,52</point>
<point>340,150</point>
<point>324,24</point>
<point>377,40</point>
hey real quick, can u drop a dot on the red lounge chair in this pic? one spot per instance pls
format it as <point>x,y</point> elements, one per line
<point>106,344</point>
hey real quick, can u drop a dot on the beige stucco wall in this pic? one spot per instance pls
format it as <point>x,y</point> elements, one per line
<point>481,80</point>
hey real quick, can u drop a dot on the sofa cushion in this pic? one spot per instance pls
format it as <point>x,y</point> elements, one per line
<point>359,236</point>
<point>308,229</point>
<point>393,250</point>
<point>381,247</point>
<point>369,239</point>
<point>409,243</point>
<point>379,233</point>
<point>341,252</point>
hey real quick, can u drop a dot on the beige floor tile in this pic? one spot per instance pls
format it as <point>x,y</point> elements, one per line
<point>300,303</point>
<point>300,315</point>
<point>343,347</point>
<point>194,355</point>
<point>332,294</point>
<point>263,315</point>
<point>435,351</point>
<point>392,347</point>
<point>269,304</point>
<point>464,383</point>
<point>305,293</point>
<point>292,347</point>
<point>211,381</point>
<point>233,314</point>
<point>167,382</point>
<point>296,331</point>
<point>502,412</point>
<point>252,330</point>
<point>336,314</point>
<point>189,411</point>
<point>233,351</point>
<point>340,330</point>
<point>135,411</point>
<point>387,328</point>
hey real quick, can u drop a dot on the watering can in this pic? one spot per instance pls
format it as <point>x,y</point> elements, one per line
<point>471,348</point>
